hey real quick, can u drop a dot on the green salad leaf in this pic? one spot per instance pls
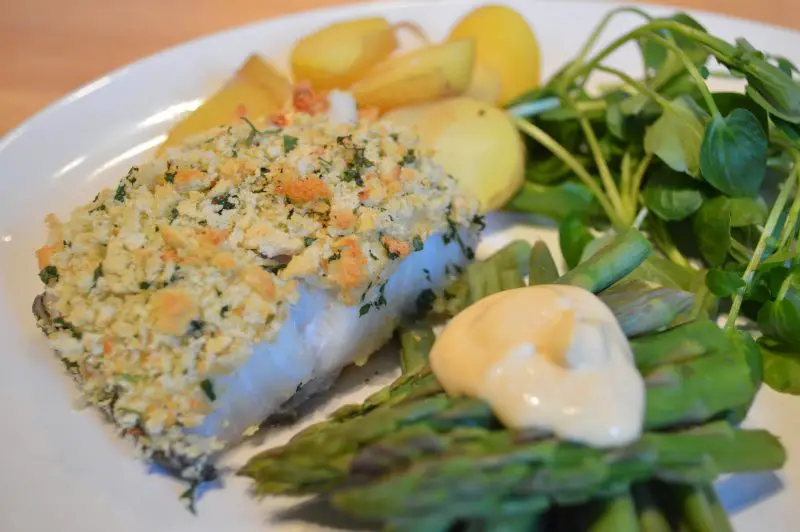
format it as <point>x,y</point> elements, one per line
<point>722,283</point>
<point>712,226</point>
<point>733,156</point>
<point>676,137</point>
<point>672,196</point>
<point>573,237</point>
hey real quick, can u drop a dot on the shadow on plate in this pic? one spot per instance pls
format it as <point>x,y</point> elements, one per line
<point>739,492</point>
<point>318,511</point>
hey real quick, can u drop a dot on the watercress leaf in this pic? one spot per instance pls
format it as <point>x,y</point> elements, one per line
<point>746,347</point>
<point>727,102</point>
<point>747,211</point>
<point>733,156</point>
<point>615,120</point>
<point>791,131</point>
<point>682,84</point>
<point>627,115</point>
<point>780,320</point>
<point>676,137</point>
<point>670,195</point>
<point>712,228</point>
<point>661,63</point>
<point>723,283</point>
<point>546,170</point>
<point>781,366</point>
<point>765,284</point>
<point>555,201</point>
<point>611,147</point>
<point>785,65</point>
<point>653,53</point>
<point>773,90</point>
<point>748,49</point>
<point>573,236</point>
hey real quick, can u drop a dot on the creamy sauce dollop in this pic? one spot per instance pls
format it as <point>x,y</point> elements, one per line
<point>550,357</point>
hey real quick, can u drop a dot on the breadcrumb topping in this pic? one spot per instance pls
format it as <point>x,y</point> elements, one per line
<point>169,280</point>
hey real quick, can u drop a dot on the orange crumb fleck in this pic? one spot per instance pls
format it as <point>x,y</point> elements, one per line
<point>172,311</point>
<point>188,176</point>
<point>260,281</point>
<point>307,190</point>
<point>395,246</point>
<point>280,119</point>
<point>240,111</point>
<point>305,100</point>
<point>343,218</point>
<point>44,256</point>
<point>348,271</point>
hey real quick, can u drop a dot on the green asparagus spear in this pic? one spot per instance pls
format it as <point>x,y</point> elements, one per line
<point>499,272</point>
<point>650,514</point>
<point>513,256</point>
<point>642,308</point>
<point>699,510</point>
<point>682,343</point>
<point>684,397</point>
<point>543,269</point>
<point>485,477</point>
<point>610,264</point>
<point>421,383</point>
<point>527,522</point>
<point>617,514</point>
<point>415,344</point>
<point>677,394</point>
<point>511,279</point>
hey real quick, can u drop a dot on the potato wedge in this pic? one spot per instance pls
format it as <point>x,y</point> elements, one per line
<point>474,141</point>
<point>420,76</point>
<point>267,76</point>
<point>256,91</point>
<point>504,44</point>
<point>338,55</point>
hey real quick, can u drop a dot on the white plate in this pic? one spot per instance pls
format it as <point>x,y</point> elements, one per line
<point>61,469</point>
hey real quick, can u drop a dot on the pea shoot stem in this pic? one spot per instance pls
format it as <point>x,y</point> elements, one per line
<point>638,85</point>
<point>592,40</point>
<point>740,251</point>
<point>691,69</point>
<point>785,285</point>
<point>769,227</point>
<point>559,151</point>
<point>790,225</point>
<point>718,46</point>
<point>661,237</point>
<point>638,176</point>
<point>602,166</point>
<point>625,183</point>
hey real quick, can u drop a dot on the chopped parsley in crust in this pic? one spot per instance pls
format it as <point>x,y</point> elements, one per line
<point>170,278</point>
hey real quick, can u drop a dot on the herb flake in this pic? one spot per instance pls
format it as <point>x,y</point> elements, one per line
<point>48,274</point>
<point>289,143</point>
<point>208,388</point>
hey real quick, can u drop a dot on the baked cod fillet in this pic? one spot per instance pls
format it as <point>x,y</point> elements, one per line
<point>212,285</point>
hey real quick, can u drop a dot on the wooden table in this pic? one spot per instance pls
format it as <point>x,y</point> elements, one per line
<point>50,47</point>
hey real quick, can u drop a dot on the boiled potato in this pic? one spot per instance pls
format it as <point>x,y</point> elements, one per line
<point>423,75</point>
<point>475,142</point>
<point>485,84</point>
<point>504,44</point>
<point>338,55</point>
<point>256,91</point>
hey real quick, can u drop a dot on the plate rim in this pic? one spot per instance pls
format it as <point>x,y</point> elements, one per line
<point>7,139</point>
